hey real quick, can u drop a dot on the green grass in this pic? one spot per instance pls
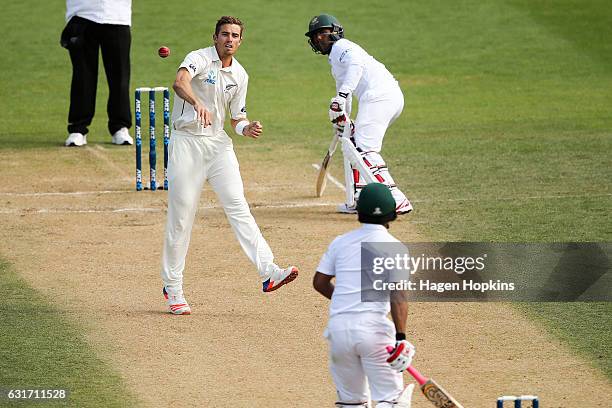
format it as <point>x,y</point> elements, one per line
<point>506,133</point>
<point>41,348</point>
<point>585,327</point>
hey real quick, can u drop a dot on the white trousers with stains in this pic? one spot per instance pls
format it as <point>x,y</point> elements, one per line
<point>192,160</point>
<point>358,358</point>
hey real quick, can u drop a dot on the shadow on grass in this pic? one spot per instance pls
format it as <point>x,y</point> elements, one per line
<point>20,141</point>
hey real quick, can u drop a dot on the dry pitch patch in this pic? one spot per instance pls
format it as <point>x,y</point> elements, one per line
<point>76,231</point>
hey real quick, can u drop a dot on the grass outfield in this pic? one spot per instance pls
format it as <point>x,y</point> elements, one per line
<point>41,348</point>
<point>506,132</point>
<point>583,326</point>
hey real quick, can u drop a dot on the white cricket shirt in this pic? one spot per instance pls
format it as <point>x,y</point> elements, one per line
<point>343,260</point>
<point>101,11</point>
<point>219,89</point>
<point>357,72</point>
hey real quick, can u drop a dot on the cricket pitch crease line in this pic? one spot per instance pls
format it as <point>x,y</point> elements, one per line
<point>518,198</point>
<point>330,178</point>
<point>85,193</point>
<point>100,152</point>
<point>450,200</point>
<point>147,209</point>
<point>75,211</point>
<point>57,193</point>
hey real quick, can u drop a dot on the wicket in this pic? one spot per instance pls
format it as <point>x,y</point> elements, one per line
<point>518,400</point>
<point>152,139</point>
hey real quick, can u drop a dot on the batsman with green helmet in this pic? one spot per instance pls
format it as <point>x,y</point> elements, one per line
<point>380,103</point>
<point>358,332</point>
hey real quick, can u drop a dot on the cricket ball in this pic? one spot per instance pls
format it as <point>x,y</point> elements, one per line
<point>163,51</point>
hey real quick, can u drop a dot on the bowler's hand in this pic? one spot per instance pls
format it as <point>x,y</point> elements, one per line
<point>203,116</point>
<point>253,129</point>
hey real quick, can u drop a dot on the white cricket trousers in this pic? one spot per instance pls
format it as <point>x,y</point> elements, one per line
<point>374,116</point>
<point>357,357</point>
<point>192,160</point>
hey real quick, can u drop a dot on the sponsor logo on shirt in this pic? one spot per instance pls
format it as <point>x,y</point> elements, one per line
<point>211,78</point>
<point>229,86</point>
<point>343,55</point>
<point>193,68</point>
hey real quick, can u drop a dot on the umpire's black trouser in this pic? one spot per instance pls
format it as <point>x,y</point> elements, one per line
<point>84,39</point>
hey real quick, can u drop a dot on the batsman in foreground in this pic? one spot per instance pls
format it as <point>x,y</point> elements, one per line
<point>380,102</point>
<point>359,332</point>
<point>208,82</point>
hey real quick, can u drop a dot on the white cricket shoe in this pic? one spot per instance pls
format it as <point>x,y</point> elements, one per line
<point>404,207</point>
<point>76,139</point>
<point>122,137</point>
<point>279,277</point>
<point>176,302</point>
<point>347,209</point>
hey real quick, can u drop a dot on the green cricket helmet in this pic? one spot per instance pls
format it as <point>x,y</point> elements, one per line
<point>324,21</point>
<point>376,204</point>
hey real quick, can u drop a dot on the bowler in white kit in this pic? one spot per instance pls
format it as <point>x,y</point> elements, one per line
<point>210,82</point>
<point>380,103</point>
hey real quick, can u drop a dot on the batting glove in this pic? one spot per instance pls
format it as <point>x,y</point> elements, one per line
<point>338,129</point>
<point>401,355</point>
<point>337,109</point>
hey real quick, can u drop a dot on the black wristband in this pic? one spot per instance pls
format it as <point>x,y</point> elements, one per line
<point>400,336</point>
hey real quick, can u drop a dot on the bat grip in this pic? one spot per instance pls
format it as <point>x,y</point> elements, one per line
<point>413,371</point>
<point>417,376</point>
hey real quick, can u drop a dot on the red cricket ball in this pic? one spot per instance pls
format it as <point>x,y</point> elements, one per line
<point>163,51</point>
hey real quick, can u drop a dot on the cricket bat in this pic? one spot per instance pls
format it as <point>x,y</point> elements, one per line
<point>322,177</point>
<point>432,391</point>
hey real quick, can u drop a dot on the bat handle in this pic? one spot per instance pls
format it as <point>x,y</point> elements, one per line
<point>417,376</point>
<point>413,371</point>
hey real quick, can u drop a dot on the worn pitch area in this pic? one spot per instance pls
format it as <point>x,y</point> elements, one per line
<point>76,230</point>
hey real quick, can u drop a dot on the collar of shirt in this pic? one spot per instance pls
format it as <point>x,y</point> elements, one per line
<point>373,227</point>
<point>215,57</point>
